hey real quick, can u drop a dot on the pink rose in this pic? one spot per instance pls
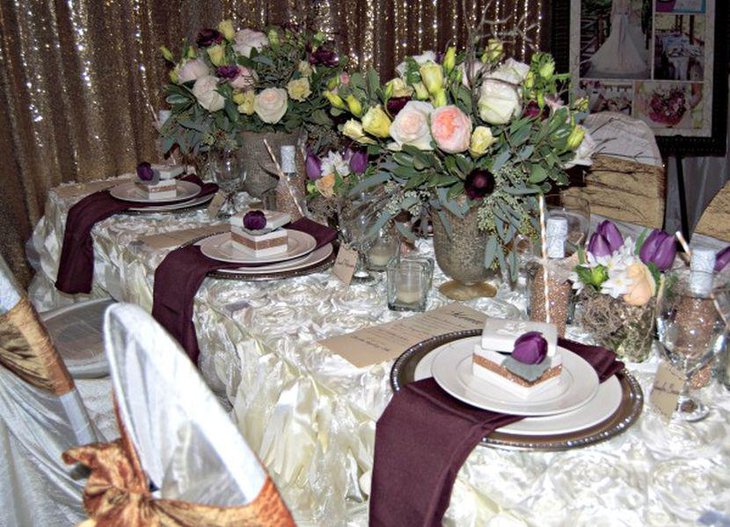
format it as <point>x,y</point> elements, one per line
<point>451,129</point>
<point>245,79</point>
<point>192,70</point>
<point>247,40</point>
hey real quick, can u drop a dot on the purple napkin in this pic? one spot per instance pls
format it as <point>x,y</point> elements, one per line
<point>178,278</point>
<point>76,267</point>
<point>423,438</point>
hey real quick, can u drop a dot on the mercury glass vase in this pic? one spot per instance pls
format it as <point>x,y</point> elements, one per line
<point>460,255</point>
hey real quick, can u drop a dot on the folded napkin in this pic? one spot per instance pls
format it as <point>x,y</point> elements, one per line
<point>178,278</point>
<point>423,438</point>
<point>76,266</point>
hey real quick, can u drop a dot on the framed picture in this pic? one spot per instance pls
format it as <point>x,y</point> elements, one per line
<point>661,61</point>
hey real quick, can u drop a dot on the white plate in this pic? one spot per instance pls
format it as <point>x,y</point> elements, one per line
<point>220,247</point>
<point>312,258</point>
<point>601,407</point>
<point>131,192</point>
<point>175,206</point>
<point>451,369</point>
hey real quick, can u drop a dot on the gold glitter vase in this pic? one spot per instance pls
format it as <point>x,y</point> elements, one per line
<point>627,330</point>
<point>559,295</point>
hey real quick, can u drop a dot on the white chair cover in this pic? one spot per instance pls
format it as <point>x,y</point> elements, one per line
<point>186,443</point>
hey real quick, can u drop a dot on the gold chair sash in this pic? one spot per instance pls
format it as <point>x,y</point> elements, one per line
<point>27,350</point>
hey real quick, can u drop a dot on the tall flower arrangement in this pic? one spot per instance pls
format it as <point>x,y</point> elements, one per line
<point>466,130</point>
<point>229,81</point>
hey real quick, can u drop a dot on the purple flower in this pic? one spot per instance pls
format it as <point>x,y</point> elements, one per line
<point>610,233</point>
<point>145,171</point>
<point>208,37</point>
<point>325,55</point>
<point>533,110</point>
<point>229,71</point>
<point>530,348</point>
<point>359,162</point>
<point>478,184</point>
<point>396,104</point>
<point>254,220</point>
<point>660,249</point>
<point>313,166</point>
<point>598,246</point>
<point>722,259</point>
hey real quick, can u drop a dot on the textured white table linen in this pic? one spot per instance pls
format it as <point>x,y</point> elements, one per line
<point>311,415</point>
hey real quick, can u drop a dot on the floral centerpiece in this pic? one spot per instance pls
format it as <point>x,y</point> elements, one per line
<point>467,134</point>
<point>617,280</point>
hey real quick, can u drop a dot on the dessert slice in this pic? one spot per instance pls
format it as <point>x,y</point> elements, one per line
<point>517,356</point>
<point>259,233</point>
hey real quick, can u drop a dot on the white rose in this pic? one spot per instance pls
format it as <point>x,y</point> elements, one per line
<point>248,39</point>
<point>428,56</point>
<point>192,70</point>
<point>204,90</point>
<point>410,126</point>
<point>512,71</point>
<point>498,102</point>
<point>476,70</point>
<point>270,105</point>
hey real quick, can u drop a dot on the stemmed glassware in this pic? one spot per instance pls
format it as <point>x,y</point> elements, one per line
<point>228,169</point>
<point>691,332</point>
<point>356,216</point>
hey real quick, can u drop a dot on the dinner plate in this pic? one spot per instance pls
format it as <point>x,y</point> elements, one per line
<point>172,207</point>
<point>288,265</point>
<point>220,247</point>
<point>601,407</point>
<point>452,370</point>
<point>131,192</point>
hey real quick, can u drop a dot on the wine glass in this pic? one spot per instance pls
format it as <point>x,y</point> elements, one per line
<point>227,166</point>
<point>356,217</point>
<point>690,330</point>
<point>577,211</point>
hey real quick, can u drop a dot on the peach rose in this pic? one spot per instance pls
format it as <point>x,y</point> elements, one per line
<point>642,288</point>
<point>326,185</point>
<point>451,129</point>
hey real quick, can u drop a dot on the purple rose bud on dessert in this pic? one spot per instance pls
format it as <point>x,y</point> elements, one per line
<point>478,184</point>
<point>313,166</point>
<point>209,37</point>
<point>396,104</point>
<point>530,348</point>
<point>722,259</point>
<point>598,246</point>
<point>611,234</point>
<point>254,220</point>
<point>359,162</point>
<point>229,71</point>
<point>145,171</point>
<point>660,249</point>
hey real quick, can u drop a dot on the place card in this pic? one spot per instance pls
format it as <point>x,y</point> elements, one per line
<point>382,343</point>
<point>180,238</point>
<point>214,207</point>
<point>665,392</point>
<point>345,264</point>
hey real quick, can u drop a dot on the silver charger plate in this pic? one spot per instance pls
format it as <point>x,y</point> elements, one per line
<point>196,203</point>
<point>628,411</point>
<point>130,192</point>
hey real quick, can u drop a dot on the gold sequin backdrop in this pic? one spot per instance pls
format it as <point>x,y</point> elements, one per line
<point>79,79</point>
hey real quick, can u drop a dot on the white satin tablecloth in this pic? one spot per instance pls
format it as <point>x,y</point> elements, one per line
<point>310,415</point>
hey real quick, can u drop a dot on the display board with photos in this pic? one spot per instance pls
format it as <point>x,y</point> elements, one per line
<point>660,61</point>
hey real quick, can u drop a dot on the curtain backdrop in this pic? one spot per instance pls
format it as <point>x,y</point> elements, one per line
<point>80,80</point>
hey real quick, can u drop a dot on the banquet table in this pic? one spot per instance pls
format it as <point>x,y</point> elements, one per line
<point>310,415</point>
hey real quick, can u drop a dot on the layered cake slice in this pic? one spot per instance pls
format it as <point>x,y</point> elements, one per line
<point>157,181</point>
<point>519,357</point>
<point>259,232</point>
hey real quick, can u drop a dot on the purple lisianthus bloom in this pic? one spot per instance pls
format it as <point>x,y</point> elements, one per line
<point>722,259</point>
<point>254,220</point>
<point>145,171</point>
<point>209,37</point>
<point>325,55</point>
<point>611,234</point>
<point>229,71</point>
<point>396,104</point>
<point>530,348</point>
<point>660,249</point>
<point>313,166</point>
<point>358,161</point>
<point>478,184</point>
<point>598,246</point>
<point>533,110</point>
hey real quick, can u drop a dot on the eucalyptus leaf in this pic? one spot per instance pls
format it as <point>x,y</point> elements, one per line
<point>445,222</point>
<point>500,160</point>
<point>379,223</point>
<point>490,251</point>
<point>405,231</point>
<point>369,182</point>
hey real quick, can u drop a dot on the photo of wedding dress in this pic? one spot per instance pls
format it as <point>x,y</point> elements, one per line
<point>623,54</point>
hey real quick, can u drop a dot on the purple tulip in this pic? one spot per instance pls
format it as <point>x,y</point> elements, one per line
<point>611,234</point>
<point>660,249</point>
<point>530,348</point>
<point>359,162</point>
<point>229,71</point>
<point>145,171</point>
<point>254,220</point>
<point>325,55</point>
<point>313,166</point>
<point>598,246</point>
<point>722,259</point>
<point>478,184</point>
<point>209,37</point>
<point>396,104</point>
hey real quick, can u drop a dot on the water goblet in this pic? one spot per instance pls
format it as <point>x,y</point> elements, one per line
<point>690,331</point>
<point>356,217</point>
<point>229,172</point>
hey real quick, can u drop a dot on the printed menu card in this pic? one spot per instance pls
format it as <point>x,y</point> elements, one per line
<point>385,342</point>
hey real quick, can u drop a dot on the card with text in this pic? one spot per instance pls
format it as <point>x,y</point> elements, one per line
<point>214,207</point>
<point>665,392</point>
<point>345,264</point>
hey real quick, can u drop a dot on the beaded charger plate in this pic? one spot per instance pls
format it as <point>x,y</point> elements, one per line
<point>578,428</point>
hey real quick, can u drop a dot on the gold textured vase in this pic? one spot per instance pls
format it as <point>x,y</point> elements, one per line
<point>461,256</point>
<point>261,173</point>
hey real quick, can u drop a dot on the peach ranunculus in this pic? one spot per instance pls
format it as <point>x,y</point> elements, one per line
<point>205,92</point>
<point>245,79</point>
<point>326,185</point>
<point>248,39</point>
<point>451,129</point>
<point>410,126</point>
<point>270,105</point>
<point>643,287</point>
<point>192,70</point>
